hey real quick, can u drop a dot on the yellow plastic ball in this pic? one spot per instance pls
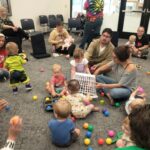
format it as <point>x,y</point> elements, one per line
<point>47,99</point>
<point>87,141</point>
<point>85,125</point>
<point>34,97</point>
<point>108,141</point>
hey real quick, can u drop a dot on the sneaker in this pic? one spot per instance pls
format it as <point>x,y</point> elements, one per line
<point>55,54</point>
<point>15,91</point>
<point>28,87</point>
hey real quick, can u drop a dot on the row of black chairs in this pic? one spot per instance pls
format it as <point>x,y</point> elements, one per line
<point>51,20</point>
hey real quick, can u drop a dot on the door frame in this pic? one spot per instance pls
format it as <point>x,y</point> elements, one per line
<point>144,19</point>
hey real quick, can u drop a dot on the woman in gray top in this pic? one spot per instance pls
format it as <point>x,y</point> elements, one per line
<point>123,76</point>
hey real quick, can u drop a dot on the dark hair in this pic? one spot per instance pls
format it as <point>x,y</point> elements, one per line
<point>73,86</point>
<point>109,31</point>
<point>140,126</point>
<point>78,53</point>
<point>122,52</point>
<point>59,23</point>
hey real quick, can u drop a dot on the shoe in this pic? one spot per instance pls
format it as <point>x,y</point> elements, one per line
<point>28,87</point>
<point>55,54</point>
<point>15,91</point>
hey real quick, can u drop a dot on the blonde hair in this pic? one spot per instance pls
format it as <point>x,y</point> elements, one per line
<point>62,108</point>
<point>78,53</point>
<point>2,8</point>
<point>56,68</point>
<point>137,103</point>
<point>12,48</point>
<point>126,124</point>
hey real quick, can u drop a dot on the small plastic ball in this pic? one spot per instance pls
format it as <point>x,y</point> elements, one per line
<point>47,99</point>
<point>15,120</point>
<point>108,141</point>
<point>102,94</point>
<point>89,148</point>
<point>49,107</point>
<point>41,69</point>
<point>111,133</point>
<point>88,134</point>
<point>7,108</point>
<point>140,90</point>
<point>90,128</point>
<point>58,91</point>
<point>104,110</point>
<point>87,141</point>
<point>117,104</point>
<point>85,125</point>
<point>102,102</point>
<point>100,141</point>
<point>106,113</point>
<point>34,97</point>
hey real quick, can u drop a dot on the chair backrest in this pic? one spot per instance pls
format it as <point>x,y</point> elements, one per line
<point>52,21</point>
<point>60,17</point>
<point>51,17</point>
<point>74,23</point>
<point>27,24</point>
<point>43,19</point>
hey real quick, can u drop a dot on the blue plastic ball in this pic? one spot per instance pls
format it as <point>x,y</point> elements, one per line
<point>7,108</point>
<point>104,110</point>
<point>89,148</point>
<point>106,114</point>
<point>49,107</point>
<point>88,134</point>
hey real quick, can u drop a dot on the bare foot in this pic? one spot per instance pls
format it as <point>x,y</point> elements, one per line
<point>110,99</point>
<point>96,109</point>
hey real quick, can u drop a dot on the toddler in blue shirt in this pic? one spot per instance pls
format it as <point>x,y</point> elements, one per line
<point>62,128</point>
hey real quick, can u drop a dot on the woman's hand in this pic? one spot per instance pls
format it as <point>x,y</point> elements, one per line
<point>99,85</point>
<point>15,28</point>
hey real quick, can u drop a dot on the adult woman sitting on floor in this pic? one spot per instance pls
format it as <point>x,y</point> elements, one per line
<point>8,28</point>
<point>122,80</point>
<point>57,38</point>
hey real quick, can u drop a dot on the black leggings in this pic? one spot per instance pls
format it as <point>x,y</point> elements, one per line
<point>66,51</point>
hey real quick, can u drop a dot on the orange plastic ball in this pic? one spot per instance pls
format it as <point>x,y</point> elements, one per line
<point>85,125</point>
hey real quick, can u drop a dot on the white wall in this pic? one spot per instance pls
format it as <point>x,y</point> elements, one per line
<point>33,8</point>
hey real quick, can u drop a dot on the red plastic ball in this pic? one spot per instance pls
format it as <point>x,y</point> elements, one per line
<point>100,141</point>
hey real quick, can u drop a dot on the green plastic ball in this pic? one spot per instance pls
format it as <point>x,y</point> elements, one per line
<point>117,104</point>
<point>90,128</point>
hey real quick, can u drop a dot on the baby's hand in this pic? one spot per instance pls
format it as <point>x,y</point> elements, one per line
<point>3,104</point>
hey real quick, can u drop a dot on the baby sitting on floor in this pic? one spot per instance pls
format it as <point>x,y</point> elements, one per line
<point>67,42</point>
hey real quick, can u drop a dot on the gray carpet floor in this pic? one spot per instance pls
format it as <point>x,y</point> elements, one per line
<point>35,133</point>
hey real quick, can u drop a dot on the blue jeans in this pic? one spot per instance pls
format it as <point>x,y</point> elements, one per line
<point>91,31</point>
<point>122,93</point>
<point>3,74</point>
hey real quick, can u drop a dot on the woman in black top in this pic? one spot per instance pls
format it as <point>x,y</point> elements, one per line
<point>8,28</point>
<point>141,44</point>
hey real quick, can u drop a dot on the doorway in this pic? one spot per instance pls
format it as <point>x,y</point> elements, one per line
<point>133,13</point>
